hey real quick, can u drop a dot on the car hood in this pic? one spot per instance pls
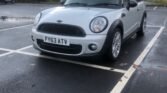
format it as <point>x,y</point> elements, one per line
<point>78,16</point>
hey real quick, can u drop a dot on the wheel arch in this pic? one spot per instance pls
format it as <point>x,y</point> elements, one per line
<point>116,24</point>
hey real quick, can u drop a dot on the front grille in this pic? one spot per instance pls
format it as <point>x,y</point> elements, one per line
<point>61,29</point>
<point>72,49</point>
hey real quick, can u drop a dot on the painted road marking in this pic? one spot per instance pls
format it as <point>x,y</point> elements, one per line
<point>62,60</point>
<point>74,62</point>
<point>15,27</point>
<point>155,8</point>
<point>125,78</point>
<point>3,49</point>
<point>24,48</point>
<point>20,51</point>
<point>165,22</point>
<point>5,54</point>
<point>10,51</point>
<point>153,26</point>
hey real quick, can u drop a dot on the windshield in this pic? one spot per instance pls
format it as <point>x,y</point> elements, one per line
<point>93,3</point>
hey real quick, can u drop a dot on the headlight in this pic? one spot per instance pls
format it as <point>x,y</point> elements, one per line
<point>98,24</point>
<point>37,18</point>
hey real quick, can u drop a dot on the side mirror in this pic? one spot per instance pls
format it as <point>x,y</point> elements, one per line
<point>132,4</point>
<point>62,2</point>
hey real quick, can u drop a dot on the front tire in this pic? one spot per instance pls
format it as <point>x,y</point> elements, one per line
<point>142,28</point>
<point>116,45</point>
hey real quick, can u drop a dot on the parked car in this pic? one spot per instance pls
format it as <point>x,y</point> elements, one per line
<point>7,1</point>
<point>89,27</point>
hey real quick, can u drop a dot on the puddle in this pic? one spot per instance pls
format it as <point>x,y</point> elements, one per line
<point>16,19</point>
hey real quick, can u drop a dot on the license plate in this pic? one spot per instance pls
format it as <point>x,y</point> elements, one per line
<point>57,41</point>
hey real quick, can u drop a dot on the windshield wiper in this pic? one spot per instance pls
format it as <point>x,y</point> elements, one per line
<point>76,4</point>
<point>105,4</point>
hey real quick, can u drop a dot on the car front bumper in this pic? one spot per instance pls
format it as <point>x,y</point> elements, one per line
<point>84,42</point>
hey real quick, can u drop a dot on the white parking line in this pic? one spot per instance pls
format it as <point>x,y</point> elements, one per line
<point>62,60</point>
<point>155,8</point>
<point>5,54</point>
<point>153,26</point>
<point>24,48</point>
<point>10,51</point>
<point>74,62</point>
<point>3,49</point>
<point>15,27</point>
<point>125,78</point>
<point>58,59</point>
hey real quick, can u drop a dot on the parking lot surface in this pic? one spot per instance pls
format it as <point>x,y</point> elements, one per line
<point>141,67</point>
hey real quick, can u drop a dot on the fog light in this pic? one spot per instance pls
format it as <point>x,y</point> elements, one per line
<point>93,47</point>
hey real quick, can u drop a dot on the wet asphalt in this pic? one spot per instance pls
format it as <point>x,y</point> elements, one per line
<point>28,73</point>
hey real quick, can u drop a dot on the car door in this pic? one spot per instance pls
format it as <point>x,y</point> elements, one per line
<point>140,10</point>
<point>129,18</point>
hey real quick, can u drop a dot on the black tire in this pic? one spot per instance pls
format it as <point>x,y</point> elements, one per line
<point>110,54</point>
<point>142,29</point>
